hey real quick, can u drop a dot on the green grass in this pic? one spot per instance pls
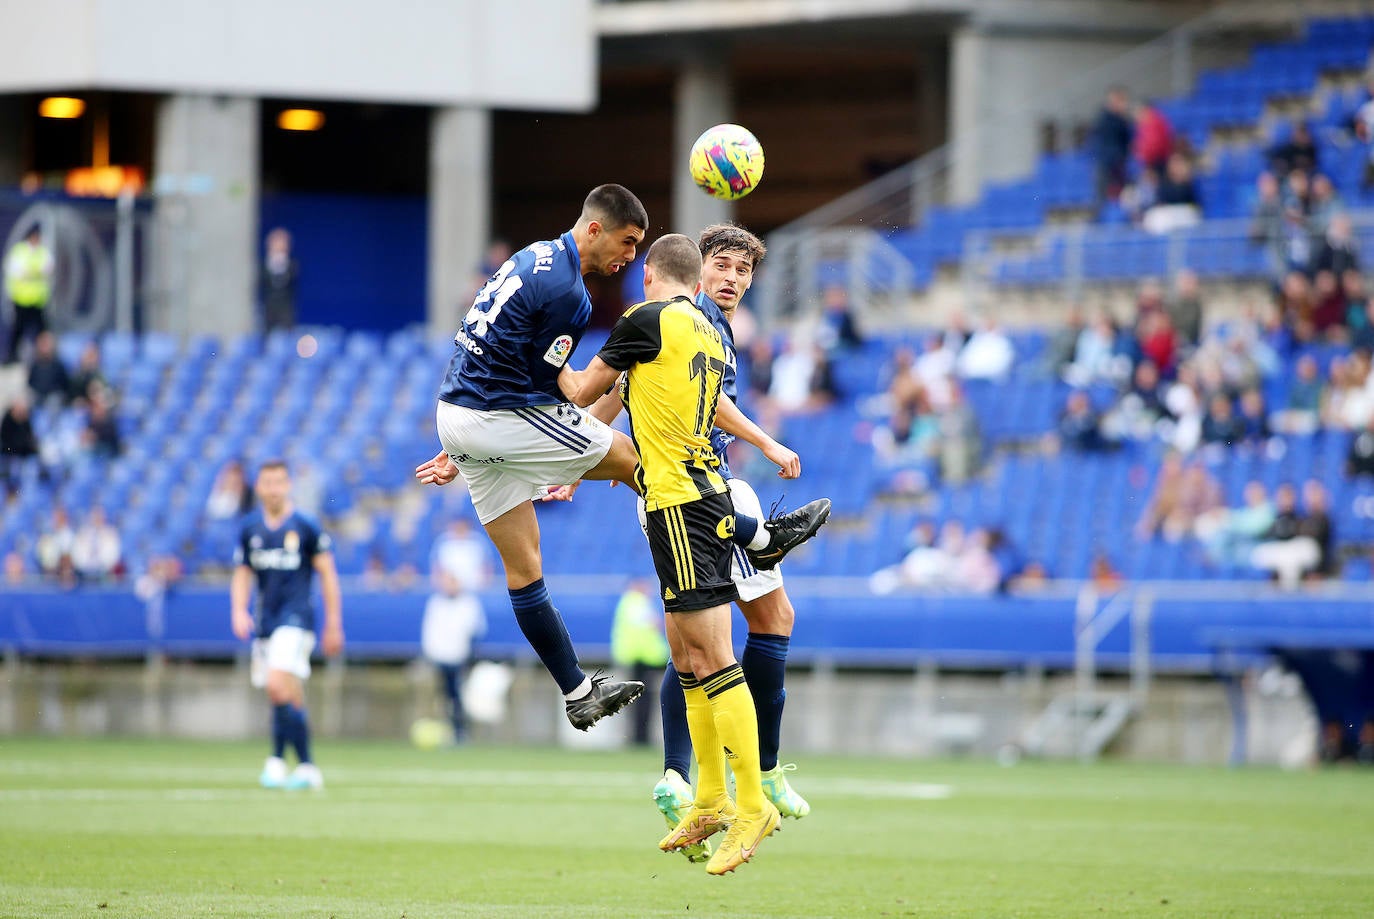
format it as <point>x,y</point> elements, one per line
<point>154,829</point>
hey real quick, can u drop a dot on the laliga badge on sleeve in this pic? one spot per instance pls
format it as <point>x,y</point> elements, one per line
<point>558,351</point>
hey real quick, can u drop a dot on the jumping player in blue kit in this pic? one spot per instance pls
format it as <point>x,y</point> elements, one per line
<point>507,428</point>
<point>281,550</point>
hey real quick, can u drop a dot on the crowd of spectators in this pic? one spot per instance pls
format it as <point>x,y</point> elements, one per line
<point>1143,165</point>
<point>78,405</point>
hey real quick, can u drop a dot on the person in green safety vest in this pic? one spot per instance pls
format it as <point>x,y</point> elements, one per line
<point>637,642</point>
<point>28,285</point>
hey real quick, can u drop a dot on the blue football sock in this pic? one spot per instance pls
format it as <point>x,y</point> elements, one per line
<point>547,635</point>
<point>300,733</point>
<point>746,528</point>
<point>677,740</point>
<point>281,729</point>
<point>765,669</point>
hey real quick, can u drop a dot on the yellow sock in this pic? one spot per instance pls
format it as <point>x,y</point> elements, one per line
<point>737,725</point>
<point>701,724</point>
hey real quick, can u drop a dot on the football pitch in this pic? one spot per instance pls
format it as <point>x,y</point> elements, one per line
<point>177,829</point>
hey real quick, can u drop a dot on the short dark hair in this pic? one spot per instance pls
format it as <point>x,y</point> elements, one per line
<point>675,257</point>
<point>615,206</point>
<point>728,237</point>
<point>274,463</point>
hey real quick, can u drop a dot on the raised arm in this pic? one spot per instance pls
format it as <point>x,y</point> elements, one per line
<point>733,421</point>
<point>583,387</point>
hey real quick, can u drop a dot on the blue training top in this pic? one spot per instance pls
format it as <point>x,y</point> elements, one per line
<point>719,439</point>
<point>522,328</point>
<point>283,560</point>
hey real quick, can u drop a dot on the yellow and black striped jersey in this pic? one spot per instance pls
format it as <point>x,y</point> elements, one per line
<point>675,363</point>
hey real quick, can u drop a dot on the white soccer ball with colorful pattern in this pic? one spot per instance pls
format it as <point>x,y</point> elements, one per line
<point>727,161</point>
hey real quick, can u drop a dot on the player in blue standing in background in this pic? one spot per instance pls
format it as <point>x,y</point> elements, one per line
<point>282,550</point>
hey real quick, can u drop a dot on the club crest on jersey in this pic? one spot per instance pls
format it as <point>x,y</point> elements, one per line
<point>291,542</point>
<point>558,351</point>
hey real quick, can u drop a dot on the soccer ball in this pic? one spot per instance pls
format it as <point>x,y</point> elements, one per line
<point>727,161</point>
<point>430,733</point>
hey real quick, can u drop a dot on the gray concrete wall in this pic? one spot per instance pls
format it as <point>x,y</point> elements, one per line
<point>205,169</point>
<point>459,210</point>
<point>860,714</point>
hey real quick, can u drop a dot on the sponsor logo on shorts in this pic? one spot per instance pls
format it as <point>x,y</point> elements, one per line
<point>558,351</point>
<point>726,528</point>
<point>668,594</point>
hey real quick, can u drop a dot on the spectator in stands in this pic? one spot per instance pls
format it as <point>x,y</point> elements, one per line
<point>1299,151</point>
<point>1253,418</point>
<point>1063,342</point>
<point>1181,495</point>
<point>976,568</point>
<point>987,355</point>
<point>101,437</point>
<point>53,549</point>
<point>1183,401</point>
<point>1349,402</point>
<point>760,372</point>
<point>1356,304</point>
<point>1316,525</point>
<point>935,369</point>
<point>1297,301</point>
<point>1285,550</point>
<point>1297,222</point>
<point>1140,409</point>
<point>280,276</point>
<point>1339,252</point>
<point>803,380</point>
<point>1222,426</point>
<point>96,548</point>
<point>1267,226</point>
<point>18,442</point>
<point>1185,308</point>
<point>960,440</point>
<point>1326,205</point>
<point>1177,203</point>
<point>1302,408</point>
<point>48,379</point>
<point>1095,358</point>
<point>928,564</point>
<point>230,496</point>
<point>838,331</point>
<point>1111,142</point>
<point>88,374</point>
<point>1154,138</point>
<point>1229,535</point>
<point>1156,341</point>
<point>1079,427</point>
<point>1327,318</point>
<point>1104,576</point>
<point>1359,458</point>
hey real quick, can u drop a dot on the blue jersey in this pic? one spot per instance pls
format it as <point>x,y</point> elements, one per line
<point>283,561</point>
<point>522,328</point>
<point>719,439</point>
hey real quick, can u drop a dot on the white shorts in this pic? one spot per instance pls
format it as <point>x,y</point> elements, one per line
<point>507,455</point>
<point>751,582</point>
<point>287,648</point>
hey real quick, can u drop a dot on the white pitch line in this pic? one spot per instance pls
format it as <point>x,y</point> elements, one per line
<point>344,778</point>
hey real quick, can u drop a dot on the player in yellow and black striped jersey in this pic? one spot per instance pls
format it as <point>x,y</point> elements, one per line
<point>673,362</point>
<point>663,345</point>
